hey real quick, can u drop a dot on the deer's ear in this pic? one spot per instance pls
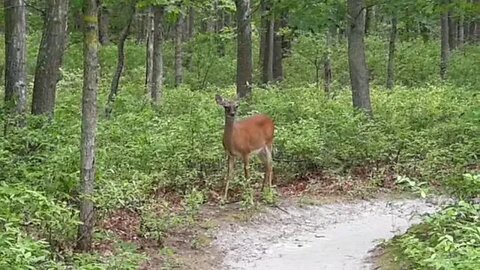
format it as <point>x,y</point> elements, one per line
<point>220,101</point>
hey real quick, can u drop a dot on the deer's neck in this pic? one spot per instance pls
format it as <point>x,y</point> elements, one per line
<point>228,132</point>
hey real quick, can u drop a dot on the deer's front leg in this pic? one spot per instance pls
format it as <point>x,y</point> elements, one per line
<point>230,168</point>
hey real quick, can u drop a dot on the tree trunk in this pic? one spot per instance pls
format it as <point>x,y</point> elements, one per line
<point>356,56</point>
<point>15,58</point>
<point>120,61</point>
<point>103,24</point>
<point>444,45</point>
<point>179,51</point>
<point>391,55</point>
<point>191,23</point>
<point>141,27</point>
<point>50,56</point>
<point>157,77</point>
<point>278,51</point>
<point>461,31</point>
<point>268,39</point>
<point>89,126</point>
<point>452,32</point>
<point>149,50</point>
<point>327,64</point>
<point>476,25</point>
<point>262,30</point>
<point>244,49</point>
<point>370,20</point>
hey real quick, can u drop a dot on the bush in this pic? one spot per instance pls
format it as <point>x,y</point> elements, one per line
<point>447,240</point>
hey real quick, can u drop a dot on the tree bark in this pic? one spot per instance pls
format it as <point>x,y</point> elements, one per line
<point>120,61</point>
<point>149,50</point>
<point>268,40</point>
<point>327,64</point>
<point>103,24</point>
<point>15,58</point>
<point>89,126</point>
<point>370,20</point>
<point>157,77</point>
<point>50,56</point>
<point>391,54</point>
<point>179,51</point>
<point>356,57</point>
<point>476,25</point>
<point>452,32</point>
<point>244,49</point>
<point>278,51</point>
<point>191,23</point>
<point>444,45</point>
<point>461,30</point>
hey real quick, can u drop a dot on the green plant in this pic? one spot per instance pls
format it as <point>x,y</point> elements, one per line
<point>446,240</point>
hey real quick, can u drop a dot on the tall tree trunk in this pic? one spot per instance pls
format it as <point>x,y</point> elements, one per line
<point>141,24</point>
<point>120,61</point>
<point>244,49</point>
<point>452,32</point>
<point>444,45</point>
<point>15,58</point>
<point>268,40</point>
<point>476,24</point>
<point>157,79</point>
<point>356,56</point>
<point>89,126</point>
<point>103,24</point>
<point>370,20</point>
<point>191,23</point>
<point>461,30</point>
<point>50,56</point>
<point>327,64</point>
<point>278,51</point>
<point>149,50</point>
<point>179,51</point>
<point>391,54</point>
<point>262,30</point>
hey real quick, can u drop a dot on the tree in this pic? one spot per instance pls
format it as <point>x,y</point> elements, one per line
<point>267,42</point>
<point>149,50</point>
<point>103,23</point>
<point>120,60</point>
<point>444,46</point>
<point>391,54</point>
<point>179,49</point>
<point>244,49</point>
<point>278,47</point>
<point>89,125</point>
<point>157,69</point>
<point>15,57</point>
<point>50,55</point>
<point>452,31</point>
<point>356,56</point>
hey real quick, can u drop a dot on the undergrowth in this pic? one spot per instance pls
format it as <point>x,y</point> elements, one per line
<point>422,130</point>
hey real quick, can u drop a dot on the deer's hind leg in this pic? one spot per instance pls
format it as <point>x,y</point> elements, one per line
<point>266,156</point>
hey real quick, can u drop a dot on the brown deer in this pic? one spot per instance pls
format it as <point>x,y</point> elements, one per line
<point>252,135</point>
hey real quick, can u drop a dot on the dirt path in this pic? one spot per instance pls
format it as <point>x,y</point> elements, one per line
<point>331,236</point>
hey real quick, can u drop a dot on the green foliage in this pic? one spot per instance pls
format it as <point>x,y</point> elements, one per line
<point>51,226</point>
<point>447,240</point>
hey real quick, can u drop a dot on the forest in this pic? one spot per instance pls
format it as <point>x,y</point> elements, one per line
<point>113,114</point>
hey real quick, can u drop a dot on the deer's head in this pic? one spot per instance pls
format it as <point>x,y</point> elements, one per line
<point>231,107</point>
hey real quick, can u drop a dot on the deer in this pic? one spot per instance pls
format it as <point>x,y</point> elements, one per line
<point>244,138</point>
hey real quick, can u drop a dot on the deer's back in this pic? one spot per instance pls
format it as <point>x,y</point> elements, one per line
<point>252,134</point>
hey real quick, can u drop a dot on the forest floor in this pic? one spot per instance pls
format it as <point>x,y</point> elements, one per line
<point>319,220</point>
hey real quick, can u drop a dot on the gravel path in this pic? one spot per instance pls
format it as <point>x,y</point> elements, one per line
<point>332,236</point>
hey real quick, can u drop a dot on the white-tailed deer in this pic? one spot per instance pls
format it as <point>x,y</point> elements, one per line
<point>252,135</point>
